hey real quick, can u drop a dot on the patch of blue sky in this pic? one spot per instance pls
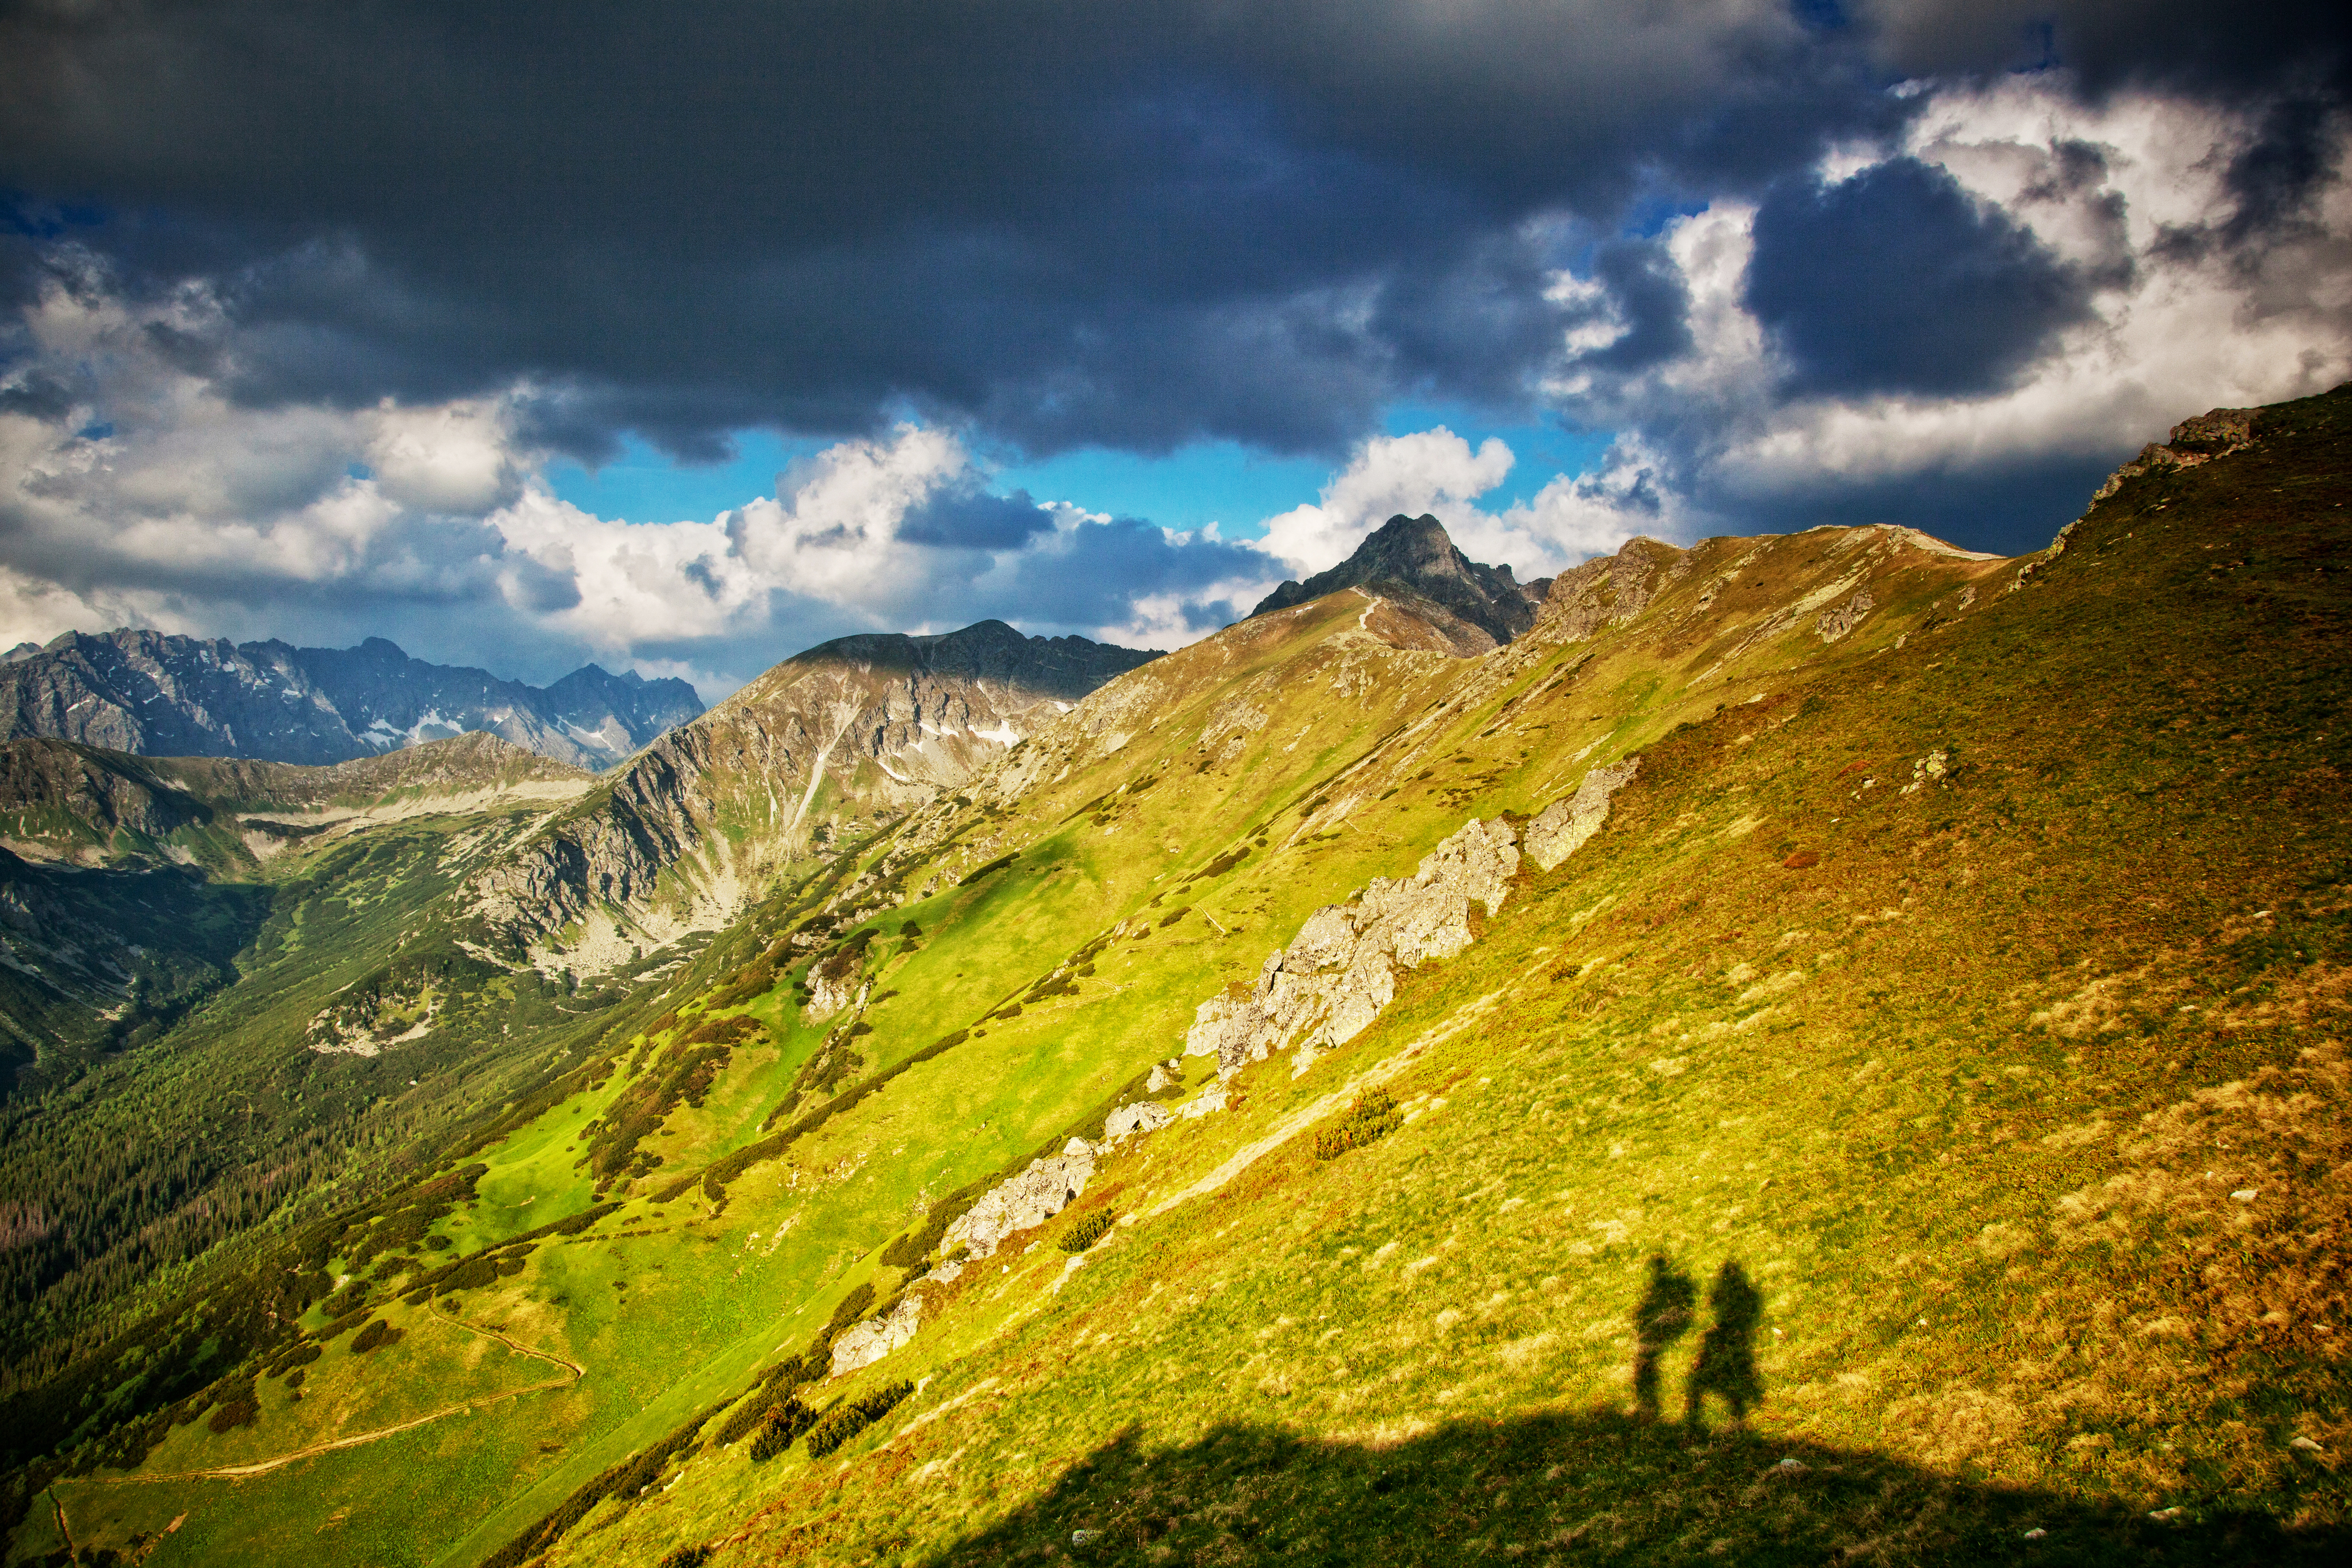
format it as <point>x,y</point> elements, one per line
<point>645,485</point>
<point>1222,482</point>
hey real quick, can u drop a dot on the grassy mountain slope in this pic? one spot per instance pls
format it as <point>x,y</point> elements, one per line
<point>1952,1005</point>
<point>88,806</point>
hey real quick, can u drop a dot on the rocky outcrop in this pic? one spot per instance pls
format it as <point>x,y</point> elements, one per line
<point>1840,619</point>
<point>1143,1116</point>
<point>1339,972</point>
<point>154,694</point>
<point>1607,591</point>
<point>1414,559</point>
<point>1049,1186</point>
<point>833,983</point>
<point>1562,828</point>
<point>2209,436</point>
<point>863,1344</point>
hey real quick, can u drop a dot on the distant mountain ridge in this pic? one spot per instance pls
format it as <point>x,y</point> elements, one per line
<point>872,723</point>
<point>157,694</point>
<point>1416,555</point>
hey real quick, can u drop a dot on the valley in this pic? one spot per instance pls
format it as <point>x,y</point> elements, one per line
<point>1806,1045</point>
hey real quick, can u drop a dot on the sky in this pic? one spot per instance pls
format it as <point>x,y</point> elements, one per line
<point>680,339</point>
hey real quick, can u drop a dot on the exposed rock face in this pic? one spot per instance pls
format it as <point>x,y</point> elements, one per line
<point>1606,591</point>
<point>1840,619</point>
<point>2198,440</point>
<point>888,722</point>
<point>1414,558</point>
<point>1560,830</point>
<point>1047,1187</point>
<point>157,695</point>
<point>833,983</point>
<point>863,1344</point>
<point>1143,1116</point>
<point>1339,973</point>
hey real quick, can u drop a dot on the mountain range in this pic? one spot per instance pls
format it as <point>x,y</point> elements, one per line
<point>155,694</point>
<point>1775,1048</point>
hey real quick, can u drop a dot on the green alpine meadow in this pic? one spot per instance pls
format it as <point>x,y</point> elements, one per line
<point>1810,1047</point>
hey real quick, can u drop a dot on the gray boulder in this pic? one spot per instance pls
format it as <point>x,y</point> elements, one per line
<point>1048,1186</point>
<point>1564,826</point>
<point>1143,1116</point>
<point>1339,972</point>
<point>863,1344</point>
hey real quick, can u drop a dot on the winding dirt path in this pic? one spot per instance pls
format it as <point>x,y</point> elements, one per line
<point>573,1371</point>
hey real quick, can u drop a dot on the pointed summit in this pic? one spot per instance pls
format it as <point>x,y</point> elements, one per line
<point>1415,557</point>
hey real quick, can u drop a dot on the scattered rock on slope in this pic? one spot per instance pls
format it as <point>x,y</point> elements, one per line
<point>1049,1186</point>
<point>1563,826</point>
<point>1337,974</point>
<point>863,1344</point>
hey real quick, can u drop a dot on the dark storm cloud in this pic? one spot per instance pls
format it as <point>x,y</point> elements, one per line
<point>1895,281</point>
<point>1080,222</point>
<point>1651,301</point>
<point>2007,510</point>
<point>974,519</point>
<point>2239,53</point>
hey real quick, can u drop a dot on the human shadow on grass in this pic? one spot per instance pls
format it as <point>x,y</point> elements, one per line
<point>1604,1486</point>
<point>1600,1486</point>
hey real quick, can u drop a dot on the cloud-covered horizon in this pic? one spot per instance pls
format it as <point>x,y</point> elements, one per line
<point>299,305</point>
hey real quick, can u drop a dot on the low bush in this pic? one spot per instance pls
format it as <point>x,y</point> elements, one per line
<point>993,866</point>
<point>378,1332</point>
<point>1373,1116</point>
<point>237,1407</point>
<point>779,1426</point>
<point>471,1275</point>
<point>298,1354</point>
<point>1089,1229</point>
<point>853,1307</point>
<point>845,1421</point>
<point>688,1557</point>
<point>344,1322</point>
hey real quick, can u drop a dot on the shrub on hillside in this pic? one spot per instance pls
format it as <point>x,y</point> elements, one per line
<point>237,1407</point>
<point>1373,1116</point>
<point>845,1421</point>
<point>1090,1229</point>
<point>471,1275</point>
<point>693,1556</point>
<point>378,1332</point>
<point>300,1354</point>
<point>851,1308</point>
<point>779,1426</point>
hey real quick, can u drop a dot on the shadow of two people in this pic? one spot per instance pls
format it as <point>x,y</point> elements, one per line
<point>1725,1363</point>
<point>1604,1484</point>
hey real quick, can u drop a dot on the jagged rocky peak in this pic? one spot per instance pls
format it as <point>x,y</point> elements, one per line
<point>1416,558</point>
<point>158,694</point>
